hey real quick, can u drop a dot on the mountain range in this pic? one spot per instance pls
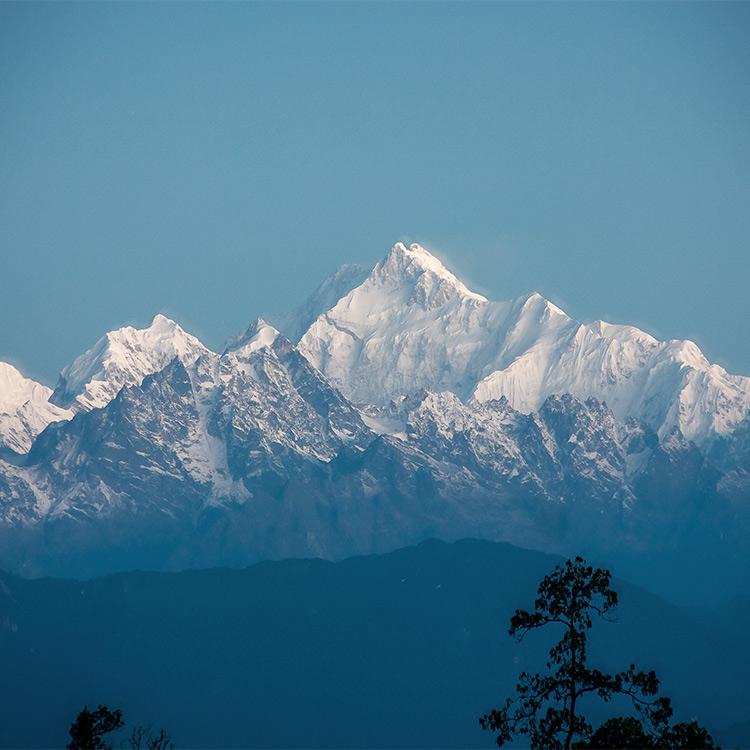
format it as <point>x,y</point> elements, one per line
<point>393,405</point>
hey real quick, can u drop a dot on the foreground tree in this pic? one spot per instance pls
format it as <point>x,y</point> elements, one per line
<point>143,738</point>
<point>547,707</point>
<point>628,732</point>
<point>624,732</point>
<point>89,727</point>
<point>88,730</point>
<point>686,735</point>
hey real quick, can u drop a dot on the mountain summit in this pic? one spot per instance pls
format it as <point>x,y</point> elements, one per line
<point>403,265</point>
<point>123,357</point>
<point>410,324</point>
<point>25,409</point>
<point>256,336</point>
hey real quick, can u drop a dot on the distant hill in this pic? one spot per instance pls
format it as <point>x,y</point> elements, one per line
<point>405,649</point>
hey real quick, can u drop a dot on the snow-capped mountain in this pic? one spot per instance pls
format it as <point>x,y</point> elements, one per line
<point>123,357</point>
<point>25,409</point>
<point>411,407</point>
<point>201,432</point>
<point>412,324</point>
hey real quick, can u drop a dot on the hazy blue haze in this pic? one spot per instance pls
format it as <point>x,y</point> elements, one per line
<point>215,161</point>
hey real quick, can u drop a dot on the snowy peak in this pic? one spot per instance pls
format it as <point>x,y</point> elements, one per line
<point>393,334</point>
<point>411,276</point>
<point>123,357</point>
<point>15,389</point>
<point>24,409</point>
<point>418,267</point>
<point>258,335</point>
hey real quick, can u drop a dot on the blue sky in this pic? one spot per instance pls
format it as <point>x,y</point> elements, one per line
<point>215,161</point>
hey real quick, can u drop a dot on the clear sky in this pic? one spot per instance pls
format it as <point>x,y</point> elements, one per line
<point>215,161</point>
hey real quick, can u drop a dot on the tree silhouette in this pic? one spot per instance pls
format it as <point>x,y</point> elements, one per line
<point>686,735</point>
<point>142,738</point>
<point>89,727</point>
<point>547,706</point>
<point>628,732</point>
<point>624,732</point>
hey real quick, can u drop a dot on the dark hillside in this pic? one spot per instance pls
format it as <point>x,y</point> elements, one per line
<point>399,650</point>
